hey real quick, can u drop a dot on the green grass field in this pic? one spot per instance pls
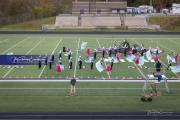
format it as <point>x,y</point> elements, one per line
<point>91,96</point>
<point>46,44</point>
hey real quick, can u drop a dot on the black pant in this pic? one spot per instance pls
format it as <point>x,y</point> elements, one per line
<point>103,54</point>
<point>39,65</point>
<point>142,52</point>
<point>69,56</point>
<point>46,62</point>
<point>50,65</point>
<point>111,65</point>
<point>91,65</point>
<point>95,56</point>
<point>80,64</point>
<point>125,52</point>
<point>158,69</point>
<point>70,65</point>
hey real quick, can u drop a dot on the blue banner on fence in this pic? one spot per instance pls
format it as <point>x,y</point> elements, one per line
<point>22,59</point>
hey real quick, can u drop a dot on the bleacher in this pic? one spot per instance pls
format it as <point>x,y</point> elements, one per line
<point>136,22</point>
<point>66,20</point>
<point>106,21</point>
<point>90,21</point>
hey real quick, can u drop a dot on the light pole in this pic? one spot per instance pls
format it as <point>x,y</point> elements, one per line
<point>151,2</point>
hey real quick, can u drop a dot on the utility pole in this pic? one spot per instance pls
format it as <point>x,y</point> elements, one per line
<point>151,2</point>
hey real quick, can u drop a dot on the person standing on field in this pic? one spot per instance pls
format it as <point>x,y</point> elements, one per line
<point>95,54</point>
<point>80,62</point>
<point>70,63</point>
<point>39,63</point>
<point>92,64</point>
<point>72,88</point>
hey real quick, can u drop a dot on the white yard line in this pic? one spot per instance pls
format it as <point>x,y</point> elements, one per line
<point>95,81</point>
<point>161,60</point>
<point>33,47</point>
<point>90,37</point>
<point>140,71</point>
<point>76,58</point>
<point>165,47</point>
<point>7,73</point>
<point>15,45</point>
<point>39,76</point>
<point>173,41</point>
<point>79,88</point>
<point>136,65</point>
<point>68,88</point>
<point>167,66</point>
<point>4,40</point>
<point>100,47</point>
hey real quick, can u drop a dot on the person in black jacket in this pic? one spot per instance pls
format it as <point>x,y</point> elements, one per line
<point>80,62</point>
<point>60,54</point>
<point>52,58</point>
<point>112,62</point>
<point>92,64</point>
<point>70,63</point>
<point>95,54</point>
<point>158,66</point>
<point>39,63</point>
<point>50,64</point>
<point>46,61</point>
<point>72,88</point>
<point>110,52</point>
<point>103,52</point>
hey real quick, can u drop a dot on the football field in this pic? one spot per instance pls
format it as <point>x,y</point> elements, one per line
<point>43,90</point>
<point>91,97</point>
<point>47,44</point>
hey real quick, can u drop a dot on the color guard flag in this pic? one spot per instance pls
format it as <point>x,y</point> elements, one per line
<point>171,59</point>
<point>149,55</point>
<point>89,60</point>
<point>83,45</point>
<point>141,60</point>
<point>99,67</point>
<point>130,58</point>
<point>58,68</point>
<point>175,69</point>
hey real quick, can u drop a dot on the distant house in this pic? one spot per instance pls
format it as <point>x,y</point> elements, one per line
<point>96,7</point>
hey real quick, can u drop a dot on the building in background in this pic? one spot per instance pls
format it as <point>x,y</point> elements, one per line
<point>175,8</point>
<point>96,7</point>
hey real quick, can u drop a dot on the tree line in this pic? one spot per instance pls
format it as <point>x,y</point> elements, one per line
<point>13,11</point>
<point>158,4</point>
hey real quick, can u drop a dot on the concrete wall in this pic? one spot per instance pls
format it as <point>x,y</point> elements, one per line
<point>136,21</point>
<point>66,21</point>
<point>101,21</point>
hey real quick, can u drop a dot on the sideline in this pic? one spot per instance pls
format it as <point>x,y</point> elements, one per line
<point>67,80</point>
<point>93,32</point>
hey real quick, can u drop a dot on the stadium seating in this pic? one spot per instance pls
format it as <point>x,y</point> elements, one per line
<point>88,21</point>
<point>64,21</point>
<point>136,22</point>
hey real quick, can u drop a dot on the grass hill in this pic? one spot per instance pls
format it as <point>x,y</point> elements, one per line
<point>29,25</point>
<point>168,23</point>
